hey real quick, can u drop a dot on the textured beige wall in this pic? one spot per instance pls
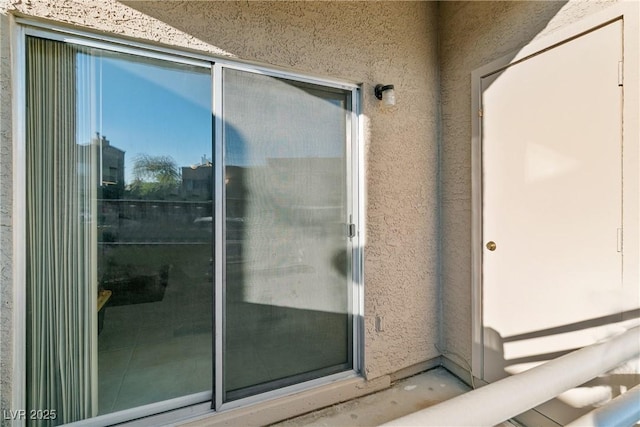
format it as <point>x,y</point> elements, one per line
<point>367,42</point>
<point>6,302</point>
<point>473,34</point>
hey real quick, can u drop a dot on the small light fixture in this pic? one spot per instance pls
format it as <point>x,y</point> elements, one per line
<point>386,94</point>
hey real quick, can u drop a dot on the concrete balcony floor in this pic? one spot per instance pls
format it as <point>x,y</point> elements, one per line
<point>404,397</point>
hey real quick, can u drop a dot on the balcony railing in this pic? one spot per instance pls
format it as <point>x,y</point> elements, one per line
<point>511,396</point>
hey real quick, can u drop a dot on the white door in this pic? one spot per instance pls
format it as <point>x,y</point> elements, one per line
<point>552,204</point>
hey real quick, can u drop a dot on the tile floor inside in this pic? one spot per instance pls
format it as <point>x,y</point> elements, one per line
<point>167,342</point>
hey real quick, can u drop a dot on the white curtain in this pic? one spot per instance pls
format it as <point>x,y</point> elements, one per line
<point>61,239</point>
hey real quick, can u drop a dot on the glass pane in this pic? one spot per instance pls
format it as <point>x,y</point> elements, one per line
<point>154,230</point>
<point>287,257</point>
<point>128,186</point>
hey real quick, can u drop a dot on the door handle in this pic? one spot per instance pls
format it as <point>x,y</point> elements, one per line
<point>491,245</point>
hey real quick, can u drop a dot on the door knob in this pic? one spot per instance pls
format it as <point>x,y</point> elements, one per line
<point>491,246</point>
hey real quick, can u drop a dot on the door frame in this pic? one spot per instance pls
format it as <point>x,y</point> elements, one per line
<point>629,12</point>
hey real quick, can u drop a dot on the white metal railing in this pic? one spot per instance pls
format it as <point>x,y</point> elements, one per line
<point>511,396</point>
<point>622,411</point>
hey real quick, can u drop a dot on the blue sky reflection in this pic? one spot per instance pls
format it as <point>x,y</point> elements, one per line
<point>146,106</point>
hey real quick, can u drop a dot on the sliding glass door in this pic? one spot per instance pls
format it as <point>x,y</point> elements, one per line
<point>287,254</point>
<point>144,242</point>
<point>119,228</point>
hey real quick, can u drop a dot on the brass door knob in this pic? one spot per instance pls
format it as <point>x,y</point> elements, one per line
<point>491,246</point>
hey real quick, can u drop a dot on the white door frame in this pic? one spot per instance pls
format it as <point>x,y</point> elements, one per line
<point>630,13</point>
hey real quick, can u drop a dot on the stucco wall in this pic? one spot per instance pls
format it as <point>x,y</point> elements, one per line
<point>367,42</point>
<point>473,34</point>
<point>6,302</point>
